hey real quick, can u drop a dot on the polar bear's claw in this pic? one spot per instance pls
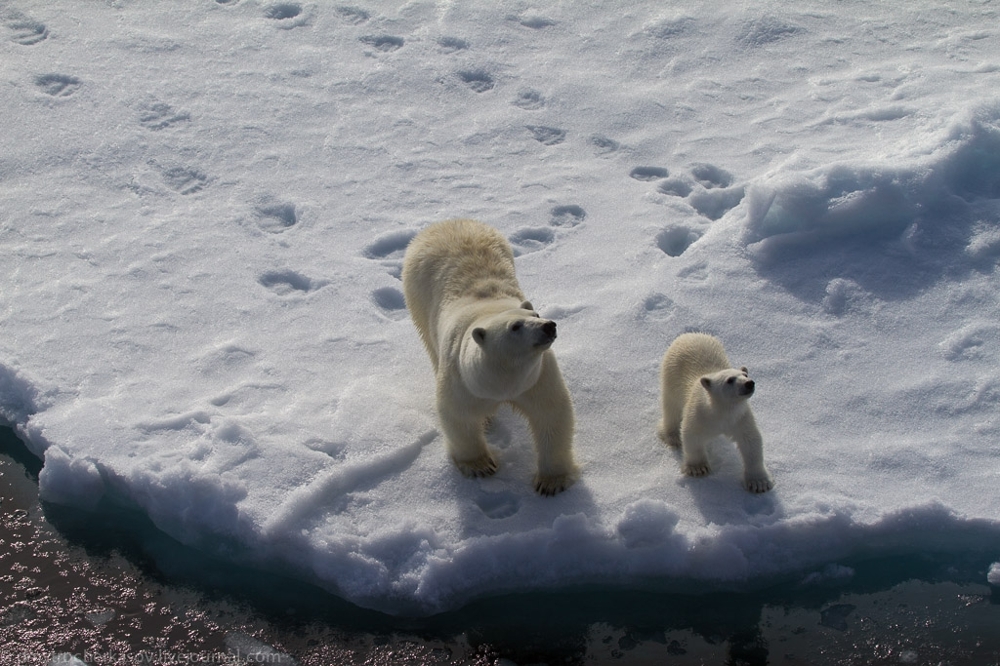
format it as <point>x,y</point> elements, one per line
<point>478,468</point>
<point>758,484</point>
<point>697,469</point>
<point>553,485</point>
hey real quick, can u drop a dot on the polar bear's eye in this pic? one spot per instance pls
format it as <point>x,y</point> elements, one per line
<point>516,326</point>
<point>731,380</point>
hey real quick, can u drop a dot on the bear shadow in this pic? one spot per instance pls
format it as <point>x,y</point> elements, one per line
<point>720,496</point>
<point>506,502</point>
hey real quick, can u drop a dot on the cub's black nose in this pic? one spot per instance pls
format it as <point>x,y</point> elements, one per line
<point>750,385</point>
<point>550,328</point>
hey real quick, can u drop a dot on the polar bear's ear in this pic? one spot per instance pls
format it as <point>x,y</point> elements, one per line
<point>479,335</point>
<point>746,373</point>
<point>527,306</point>
<point>706,382</point>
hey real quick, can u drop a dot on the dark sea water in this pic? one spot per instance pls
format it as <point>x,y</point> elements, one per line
<point>109,588</point>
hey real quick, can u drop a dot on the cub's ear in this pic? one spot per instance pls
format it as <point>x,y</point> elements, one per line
<point>746,373</point>
<point>479,335</point>
<point>706,382</point>
<point>527,306</point>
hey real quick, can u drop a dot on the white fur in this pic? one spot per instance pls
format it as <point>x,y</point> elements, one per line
<point>488,346</point>
<point>704,397</point>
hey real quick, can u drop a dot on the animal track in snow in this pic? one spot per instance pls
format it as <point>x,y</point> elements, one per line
<point>531,239</point>
<point>674,187</point>
<point>26,31</point>
<point>225,358</point>
<point>389,249</point>
<point>390,301</point>
<point>567,216</point>
<point>656,306</point>
<point>548,136</point>
<point>709,190</point>
<point>275,218</point>
<point>287,282</point>
<point>383,43</point>
<point>710,176</point>
<point>498,505</point>
<point>452,44</point>
<point>478,80</point>
<point>283,11</point>
<point>58,85</point>
<point>674,241</point>
<point>184,180</point>
<point>765,30</point>
<point>288,15</point>
<point>715,203</point>
<point>535,22</point>
<point>529,99</point>
<point>390,245</point>
<point>603,144</point>
<point>159,116</point>
<point>648,173</point>
<point>354,15</point>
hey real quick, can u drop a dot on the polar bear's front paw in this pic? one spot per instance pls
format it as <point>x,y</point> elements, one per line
<point>671,437</point>
<point>553,484</point>
<point>758,483</point>
<point>701,468</point>
<point>479,467</point>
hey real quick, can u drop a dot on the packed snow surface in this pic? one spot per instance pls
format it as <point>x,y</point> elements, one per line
<point>205,207</point>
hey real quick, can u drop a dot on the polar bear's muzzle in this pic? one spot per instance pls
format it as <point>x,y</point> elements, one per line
<point>546,334</point>
<point>748,387</point>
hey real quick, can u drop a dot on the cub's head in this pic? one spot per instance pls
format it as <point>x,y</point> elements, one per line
<point>729,384</point>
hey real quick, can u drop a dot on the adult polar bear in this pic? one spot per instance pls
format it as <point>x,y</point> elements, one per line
<point>488,346</point>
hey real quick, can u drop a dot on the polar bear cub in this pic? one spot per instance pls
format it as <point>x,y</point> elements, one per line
<point>488,346</point>
<point>704,397</point>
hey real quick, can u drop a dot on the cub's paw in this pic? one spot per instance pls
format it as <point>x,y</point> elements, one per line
<point>479,467</point>
<point>701,468</point>
<point>553,484</point>
<point>758,483</point>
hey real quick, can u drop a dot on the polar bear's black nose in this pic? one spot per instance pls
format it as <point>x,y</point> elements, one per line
<point>550,328</point>
<point>749,385</point>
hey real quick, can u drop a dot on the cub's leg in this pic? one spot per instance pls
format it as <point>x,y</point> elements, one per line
<point>669,429</point>
<point>694,446</point>
<point>750,444</point>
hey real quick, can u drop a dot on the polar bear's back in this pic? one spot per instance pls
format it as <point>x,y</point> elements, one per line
<point>452,260</point>
<point>690,356</point>
<point>695,354</point>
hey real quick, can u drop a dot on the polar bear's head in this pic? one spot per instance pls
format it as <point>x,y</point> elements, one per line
<point>502,353</point>
<point>731,384</point>
<point>514,333</point>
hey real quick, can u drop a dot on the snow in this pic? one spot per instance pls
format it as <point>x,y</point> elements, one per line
<point>206,205</point>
